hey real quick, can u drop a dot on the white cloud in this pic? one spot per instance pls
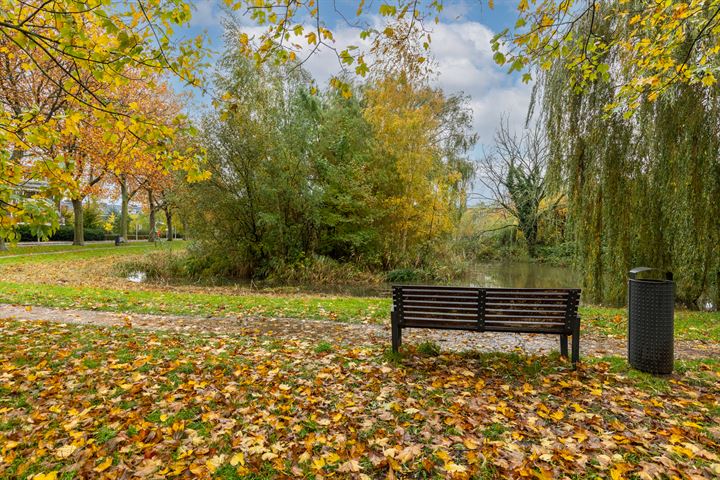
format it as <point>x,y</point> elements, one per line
<point>464,58</point>
<point>464,61</point>
<point>464,64</point>
<point>205,14</point>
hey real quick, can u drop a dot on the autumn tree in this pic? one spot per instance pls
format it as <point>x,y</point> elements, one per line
<point>420,190</point>
<point>76,50</point>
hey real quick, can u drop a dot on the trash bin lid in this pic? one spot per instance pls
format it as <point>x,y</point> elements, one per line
<point>635,271</point>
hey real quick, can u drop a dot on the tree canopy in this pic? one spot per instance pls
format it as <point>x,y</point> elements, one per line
<point>62,62</point>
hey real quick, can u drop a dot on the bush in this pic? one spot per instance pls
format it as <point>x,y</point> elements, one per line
<point>317,270</point>
<point>429,348</point>
<point>404,275</point>
<point>63,234</point>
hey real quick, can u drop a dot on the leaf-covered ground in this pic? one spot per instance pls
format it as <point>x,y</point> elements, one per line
<point>81,401</point>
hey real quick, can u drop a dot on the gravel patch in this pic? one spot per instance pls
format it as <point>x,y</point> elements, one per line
<point>348,333</point>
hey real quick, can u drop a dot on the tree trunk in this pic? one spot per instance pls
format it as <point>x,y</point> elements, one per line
<point>152,235</point>
<point>79,231</point>
<point>125,199</point>
<point>168,218</point>
<point>3,247</point>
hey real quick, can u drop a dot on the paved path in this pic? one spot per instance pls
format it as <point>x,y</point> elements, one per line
<point>350,333</point>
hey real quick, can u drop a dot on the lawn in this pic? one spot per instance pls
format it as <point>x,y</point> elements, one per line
<point>71,253</point>
<point>79,402</point>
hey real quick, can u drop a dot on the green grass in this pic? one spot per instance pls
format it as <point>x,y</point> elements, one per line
<point>26,249</point>
<point>347,309</point>
<point>689,325</point>
<point>68,253</point>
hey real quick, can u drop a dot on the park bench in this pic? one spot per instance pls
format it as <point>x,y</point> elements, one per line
<point>518,310</point>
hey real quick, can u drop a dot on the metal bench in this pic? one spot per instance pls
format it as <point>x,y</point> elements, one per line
<point>518,310</point>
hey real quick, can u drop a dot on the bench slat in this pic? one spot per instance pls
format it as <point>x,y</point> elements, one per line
<point>439,296</point>
<point>537,314</point>
<point>531,290</point>
<point>425,316</point>
<point>521,322</point>
<point>549,305</point>
<point>522,329</point>
<point>459,326</point>
<point>439,304</point>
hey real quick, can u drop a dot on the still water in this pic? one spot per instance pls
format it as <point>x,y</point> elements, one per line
<point>522,275</point>
<point>512,274</point>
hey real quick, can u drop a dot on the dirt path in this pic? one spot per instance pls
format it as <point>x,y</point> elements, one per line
<point>318,330</point>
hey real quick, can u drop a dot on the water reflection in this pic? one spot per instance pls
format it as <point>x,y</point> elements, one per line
<point>137,277</point>
<point>522,275</point>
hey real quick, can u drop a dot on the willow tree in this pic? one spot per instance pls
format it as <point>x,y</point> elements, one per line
<point>642,187</point>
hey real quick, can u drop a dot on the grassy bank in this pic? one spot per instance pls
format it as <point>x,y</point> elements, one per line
<point>86,278</point>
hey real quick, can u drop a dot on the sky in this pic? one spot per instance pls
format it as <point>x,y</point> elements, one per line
<point>460,46</point>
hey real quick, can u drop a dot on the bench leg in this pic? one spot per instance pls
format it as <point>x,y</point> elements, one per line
<point>576,342</point>
<point>564,346</point>
<point>396,332</point>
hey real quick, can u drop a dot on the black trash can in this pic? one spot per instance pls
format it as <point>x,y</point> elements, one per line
<point>651,318</point>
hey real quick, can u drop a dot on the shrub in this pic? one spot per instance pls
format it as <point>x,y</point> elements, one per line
<point>404,275</point>
<point>317,270</point>
<point>65,233</point>
<point>323,347</point>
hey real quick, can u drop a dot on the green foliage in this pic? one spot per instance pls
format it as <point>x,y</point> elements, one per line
<point>642,190</point>
<point>92,217</point>
<point>64,233</point>
<point>404,275</point>
<point>304,188</point>
<point>324,347</point>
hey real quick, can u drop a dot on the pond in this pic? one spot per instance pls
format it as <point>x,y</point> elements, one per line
<point>512,274</point>
<point>522,275</point>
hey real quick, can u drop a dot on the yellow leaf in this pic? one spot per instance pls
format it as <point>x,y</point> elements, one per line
<point>470,444</point>
<point>215,462</point>
<point>46,476</point>
<point>104,465</point>
<point>318,463</point>
<point>65,451</point>
<point>452,467</point>
<point>238,458</point>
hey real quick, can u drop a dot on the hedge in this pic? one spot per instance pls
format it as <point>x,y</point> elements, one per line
<point>63,234</point>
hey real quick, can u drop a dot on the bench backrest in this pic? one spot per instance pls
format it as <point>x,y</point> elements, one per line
<point>437,306</point>
<point>530,310</point>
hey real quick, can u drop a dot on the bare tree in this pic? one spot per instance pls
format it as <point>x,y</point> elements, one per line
<point>514,177</point>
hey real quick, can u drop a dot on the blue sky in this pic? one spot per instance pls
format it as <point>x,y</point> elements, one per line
<point>460,46</point>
